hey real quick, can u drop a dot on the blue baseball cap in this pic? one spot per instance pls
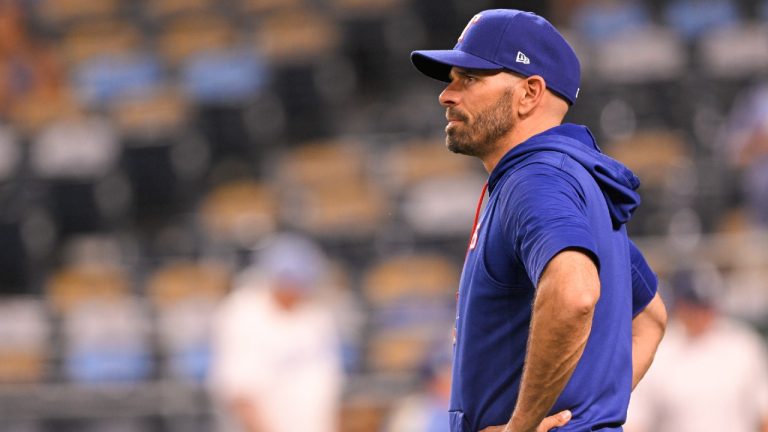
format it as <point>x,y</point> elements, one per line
<point>699,285</point>
<point>508,39</point>
<point>294,258</point>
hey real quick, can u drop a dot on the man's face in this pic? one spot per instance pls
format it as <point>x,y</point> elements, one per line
<point>479,109</point>
<point>288,294</point>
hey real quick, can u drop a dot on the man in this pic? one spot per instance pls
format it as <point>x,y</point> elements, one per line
<point>276,356</point>
<point>711,373</point>
<point>557,310</point>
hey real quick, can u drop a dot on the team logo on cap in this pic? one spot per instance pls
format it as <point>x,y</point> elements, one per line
<point>471,22</point>
<point>522,58</point>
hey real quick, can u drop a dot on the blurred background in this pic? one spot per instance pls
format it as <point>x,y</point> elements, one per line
<point>149,147</point>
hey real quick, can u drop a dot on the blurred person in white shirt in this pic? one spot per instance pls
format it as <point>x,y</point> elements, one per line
<point>710,372</point>
<point>276,357</point>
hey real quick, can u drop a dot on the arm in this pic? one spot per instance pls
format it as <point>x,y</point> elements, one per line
<point>545,214</point>
<point>236,371</point>
<point>647,330</point>
<point>644,281</point>
<point>649,314</point>
<point>562,320</point>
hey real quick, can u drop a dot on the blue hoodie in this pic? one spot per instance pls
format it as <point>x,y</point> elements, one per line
<point>554,191</point>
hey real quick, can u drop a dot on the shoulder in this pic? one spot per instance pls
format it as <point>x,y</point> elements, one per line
<point>542,181</point>
<point>542,169</point>
<point>243,301</point>
<point>320,312</point>
<point>542,160</point>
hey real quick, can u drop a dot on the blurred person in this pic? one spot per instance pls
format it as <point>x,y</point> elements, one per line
<point>426,410</point>
<point>746,134</point>
<point>276,364</point>
<point>536,320</point>
<point>711,371</point>
<point>27,68</point>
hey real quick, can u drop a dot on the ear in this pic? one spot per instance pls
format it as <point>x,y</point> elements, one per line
<point>534,88</point>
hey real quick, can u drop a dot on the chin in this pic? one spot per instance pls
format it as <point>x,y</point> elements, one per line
<point>459,148</point>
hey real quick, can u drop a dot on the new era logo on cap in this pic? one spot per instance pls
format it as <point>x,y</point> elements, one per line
<point>522,58</point>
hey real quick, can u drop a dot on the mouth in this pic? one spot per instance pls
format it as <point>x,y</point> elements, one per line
<point>452,124</point>
<point>454,117</point>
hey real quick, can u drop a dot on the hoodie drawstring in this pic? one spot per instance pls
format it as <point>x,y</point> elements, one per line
<point>473,234</point>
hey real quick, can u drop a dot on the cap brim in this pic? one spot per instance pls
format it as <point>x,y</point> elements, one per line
<point>437,64</point>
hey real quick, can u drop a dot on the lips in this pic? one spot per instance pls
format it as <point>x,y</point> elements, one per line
<point>453,123</point>
<point>454,116</point>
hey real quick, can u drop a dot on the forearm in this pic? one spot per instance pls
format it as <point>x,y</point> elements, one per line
<point>647,331</point>
<point>560,327</point>
<point>557,344</point>
<point>643,352</point>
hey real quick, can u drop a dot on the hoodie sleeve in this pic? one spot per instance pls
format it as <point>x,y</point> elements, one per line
<point>544,213</point>
<point>644,280</point>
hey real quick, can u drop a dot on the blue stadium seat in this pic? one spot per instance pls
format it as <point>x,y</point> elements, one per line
<point>694,18</point>
<point>101,80</point>
<point>107,342</point>
<point>227,76</point>
<point>601,22</point>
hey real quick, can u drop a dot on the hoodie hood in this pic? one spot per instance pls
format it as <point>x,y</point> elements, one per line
<point>616,181</point>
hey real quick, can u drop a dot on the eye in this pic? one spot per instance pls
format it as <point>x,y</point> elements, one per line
<point>464,77</point>
<point>468,77</point>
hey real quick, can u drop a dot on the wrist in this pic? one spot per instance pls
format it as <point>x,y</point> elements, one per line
<point>518,425</point>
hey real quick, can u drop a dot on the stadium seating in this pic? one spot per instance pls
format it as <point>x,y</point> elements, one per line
<point>25,340</point>
<point>239,213</point>
<point>183,296</point>
<point>410,296</point>
<point>61,13</point>
<point>187,35</point>
<point>99,38</point>
<point>162,10</point>
<point>735,52</point>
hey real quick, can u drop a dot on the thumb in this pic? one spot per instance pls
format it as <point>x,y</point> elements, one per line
<point>553,421</point>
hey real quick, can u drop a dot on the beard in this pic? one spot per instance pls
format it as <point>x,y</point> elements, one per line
<point>480,137</point>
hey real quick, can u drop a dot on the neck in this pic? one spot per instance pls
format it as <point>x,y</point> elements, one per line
<point>516,136</point>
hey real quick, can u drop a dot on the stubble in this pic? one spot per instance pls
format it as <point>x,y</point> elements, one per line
<point>481,137</point>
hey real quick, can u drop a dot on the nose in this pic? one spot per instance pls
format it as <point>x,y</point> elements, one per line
<point>449,96</point>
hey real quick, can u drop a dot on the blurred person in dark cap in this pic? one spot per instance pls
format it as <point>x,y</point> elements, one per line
<point>276,356</point>
<point>710,372</point>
